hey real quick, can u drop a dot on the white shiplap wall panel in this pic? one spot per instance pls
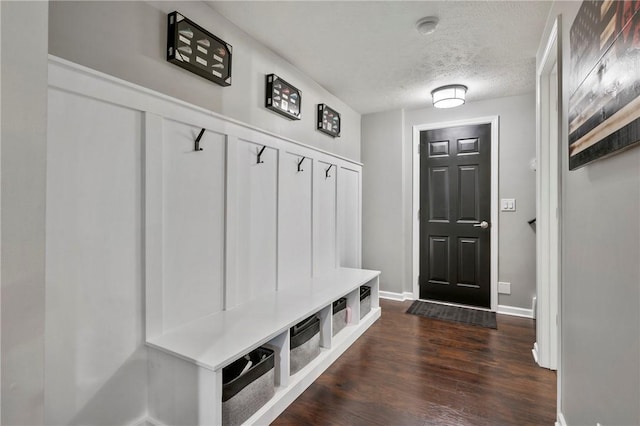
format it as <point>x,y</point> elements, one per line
<point>324,217</point>
<point>94,341</point>
<point>294,220</point>
<point>252,206</point>
<point>193,223</point>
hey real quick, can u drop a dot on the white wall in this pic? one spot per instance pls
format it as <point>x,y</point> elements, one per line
<point>128,40</point>
<point>600,288</point>
<point>95,359</point>
<point>24,107</point>
<point>386,148</point>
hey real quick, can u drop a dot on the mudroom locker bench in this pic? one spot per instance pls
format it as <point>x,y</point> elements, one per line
<point>186,362</point>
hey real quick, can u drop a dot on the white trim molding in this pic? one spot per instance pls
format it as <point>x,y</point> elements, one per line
<point>514,311</point>
<point>98,85</point>
<point>534,352</point>
<point>495,167</point>
<point>548,198</point>
<point>389,295</point>
<point>561,420</point>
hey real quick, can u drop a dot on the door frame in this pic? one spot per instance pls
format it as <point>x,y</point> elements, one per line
<point>495,122</point>
<point>547,349</point>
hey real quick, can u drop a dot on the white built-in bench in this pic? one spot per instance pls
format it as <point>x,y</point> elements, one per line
<point>186,368</point>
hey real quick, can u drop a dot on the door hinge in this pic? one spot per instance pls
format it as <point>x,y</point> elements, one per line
<point>419,145</point>
<point>418,214</point>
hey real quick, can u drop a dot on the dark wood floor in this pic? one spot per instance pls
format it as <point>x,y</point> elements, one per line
<point>410,370</point>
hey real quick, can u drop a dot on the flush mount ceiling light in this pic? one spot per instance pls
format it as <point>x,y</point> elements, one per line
<point>449,96</point>
<point>427,25</point>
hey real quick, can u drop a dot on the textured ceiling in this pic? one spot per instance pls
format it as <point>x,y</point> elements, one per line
<point>369,54</point>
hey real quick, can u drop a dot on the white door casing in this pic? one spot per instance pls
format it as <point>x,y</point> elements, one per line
<point>495,122</point>
<point>548,206</point>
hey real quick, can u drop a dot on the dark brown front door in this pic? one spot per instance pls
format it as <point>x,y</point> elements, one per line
<point>455,200</point>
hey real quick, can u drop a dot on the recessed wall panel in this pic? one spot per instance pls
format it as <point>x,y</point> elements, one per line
<point>324,217</point>
<point>349,218</point>
<point>193,223</point>
<point>94,340</point>
<point>294,221</point>
<point>256,221</point>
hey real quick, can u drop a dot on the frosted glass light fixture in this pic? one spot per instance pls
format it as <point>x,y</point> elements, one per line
<point>449,96</point>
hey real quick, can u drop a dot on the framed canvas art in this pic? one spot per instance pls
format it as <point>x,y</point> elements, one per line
<point>604,106</point>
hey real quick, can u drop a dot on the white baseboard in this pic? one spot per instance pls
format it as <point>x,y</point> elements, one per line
<point>515,311</point>
<point>561,421</point>
<point>534,352</point>
<point>396,296</point>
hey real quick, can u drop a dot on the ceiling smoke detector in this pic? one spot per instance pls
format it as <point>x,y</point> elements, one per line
<point>427,25</point>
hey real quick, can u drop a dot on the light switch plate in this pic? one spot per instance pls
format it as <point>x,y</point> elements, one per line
<point>508,205</point>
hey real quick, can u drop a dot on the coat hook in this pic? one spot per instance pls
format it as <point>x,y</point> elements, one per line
<point>197,147</point>
<point>300,164</point>
<point>260,154</point>
<point>326,172</point>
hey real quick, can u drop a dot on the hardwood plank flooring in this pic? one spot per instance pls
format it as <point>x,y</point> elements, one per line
<point>411,370</point>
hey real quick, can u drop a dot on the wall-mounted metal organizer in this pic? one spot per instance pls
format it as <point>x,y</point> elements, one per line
<point>195,49</point>
<point>329,120</point>
<point>283,98</point>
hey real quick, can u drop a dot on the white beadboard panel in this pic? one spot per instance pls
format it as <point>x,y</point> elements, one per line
<point>349,187</point>
<point>167,374</point>
<point>193,223</point>
<point>95,361</point>
<point>324,217</point>
<point>253,206</point>
<point>294,220</point>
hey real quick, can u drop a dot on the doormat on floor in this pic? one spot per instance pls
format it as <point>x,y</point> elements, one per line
<point>454,313</point>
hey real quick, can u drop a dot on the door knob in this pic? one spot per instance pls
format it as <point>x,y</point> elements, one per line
<point>484,224</point>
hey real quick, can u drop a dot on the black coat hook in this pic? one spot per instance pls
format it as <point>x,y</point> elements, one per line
<point>260,154</point>
<point>300,164</point>
<point>197,147</point>
<point>326,172</point>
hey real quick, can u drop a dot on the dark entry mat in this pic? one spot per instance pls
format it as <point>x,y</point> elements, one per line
<point>454,313</point>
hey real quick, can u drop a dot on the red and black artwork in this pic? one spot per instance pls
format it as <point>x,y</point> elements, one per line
<point>604,107</point>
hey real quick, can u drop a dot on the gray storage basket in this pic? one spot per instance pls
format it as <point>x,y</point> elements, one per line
<point>245,394</point>
<point>339,315</point>
<point>365,300</point>
<point>305,343</point>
